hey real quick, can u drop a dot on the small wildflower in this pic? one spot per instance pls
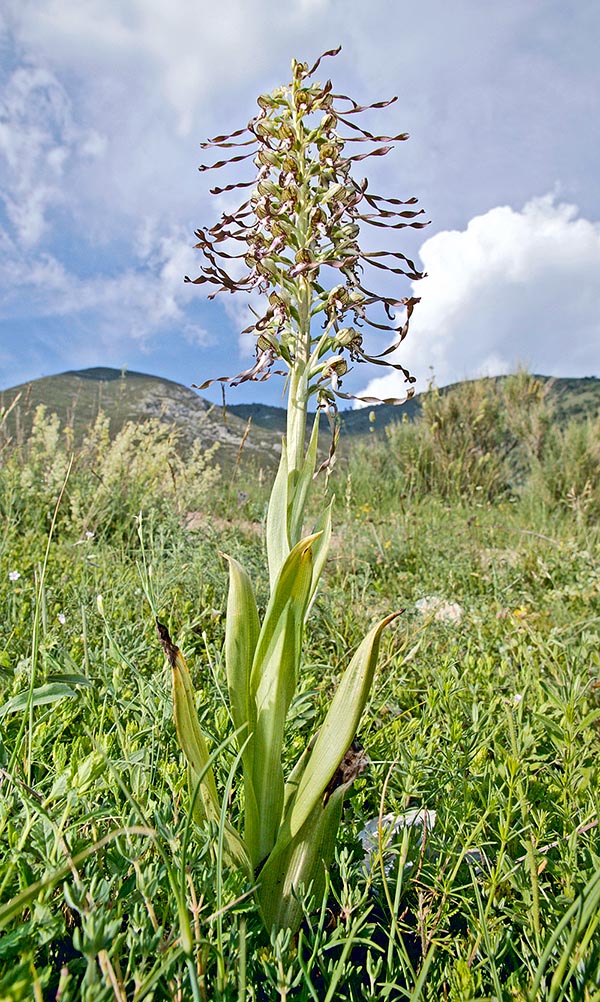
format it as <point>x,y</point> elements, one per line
<point>62,619</point>
<point>89,535</point>
<point>518,696</point>
<point>520,613</point>
<point>14,575</point>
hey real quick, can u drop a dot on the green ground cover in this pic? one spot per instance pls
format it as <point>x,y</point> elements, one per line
<point>485,711</point>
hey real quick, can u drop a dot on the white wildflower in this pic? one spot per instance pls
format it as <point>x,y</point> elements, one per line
<point>14,575</point>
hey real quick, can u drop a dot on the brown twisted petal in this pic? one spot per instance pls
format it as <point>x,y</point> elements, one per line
<point>375,298</point>
<point>260,371</point>
<point>330,52</point>
<point>224,163</point>
<point>230,187</point>
<point>357,108</point>
<point>413,275</point>
<point>378,400</point>
<point>395,226</point>
<point>381,151</point>
<point>220,139</point>
<point>388,213</point>
<point>396,254</point>
<point>227,145</point>
<point>390,201</point>
<point>369,135</point>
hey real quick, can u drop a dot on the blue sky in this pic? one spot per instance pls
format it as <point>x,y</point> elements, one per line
<point>102,110</point>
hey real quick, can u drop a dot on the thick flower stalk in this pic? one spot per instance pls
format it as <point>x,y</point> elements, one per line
<point>298,233</point>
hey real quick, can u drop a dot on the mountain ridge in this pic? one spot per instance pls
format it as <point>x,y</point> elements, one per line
<point>77,396</point>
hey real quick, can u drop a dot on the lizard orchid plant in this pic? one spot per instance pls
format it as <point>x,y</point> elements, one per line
<point>299,227</point>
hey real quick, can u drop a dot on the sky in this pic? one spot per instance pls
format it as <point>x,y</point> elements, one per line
<point>103,106</point>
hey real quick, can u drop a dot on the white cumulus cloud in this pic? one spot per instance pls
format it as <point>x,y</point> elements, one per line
<point>512,287</point>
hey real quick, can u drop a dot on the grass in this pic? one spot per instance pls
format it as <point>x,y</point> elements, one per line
<point>109,890</point>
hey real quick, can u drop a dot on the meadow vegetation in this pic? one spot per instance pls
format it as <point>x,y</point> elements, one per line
<point>484,716</point>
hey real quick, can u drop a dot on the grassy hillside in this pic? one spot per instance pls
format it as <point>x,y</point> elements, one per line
<point>577,398</point>
<point>78,397</point>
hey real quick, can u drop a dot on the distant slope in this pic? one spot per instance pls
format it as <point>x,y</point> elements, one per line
<point>574,398</point>
<point>78,397</point>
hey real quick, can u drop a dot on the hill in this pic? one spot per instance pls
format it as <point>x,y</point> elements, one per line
<point>77,398</point>
<point>573,397</point>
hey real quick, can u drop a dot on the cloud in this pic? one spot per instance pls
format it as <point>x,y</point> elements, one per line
<point>38,139</point>
<point>188,52</point>
<point>513,287</point>
<point>105,311</point>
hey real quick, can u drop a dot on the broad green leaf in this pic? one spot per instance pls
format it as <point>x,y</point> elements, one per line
<point>301,866</point>
<point>335,736</point>
<point>272,685</point>
<point>241,637</point>
<point>297,502</point>
<point>189,733</point>
<point>49,693</point>
<point>278,543</point>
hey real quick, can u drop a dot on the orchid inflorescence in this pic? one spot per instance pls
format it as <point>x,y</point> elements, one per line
<point>302,217</point>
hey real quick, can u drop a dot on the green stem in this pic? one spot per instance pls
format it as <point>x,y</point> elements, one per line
<point>296,422</point>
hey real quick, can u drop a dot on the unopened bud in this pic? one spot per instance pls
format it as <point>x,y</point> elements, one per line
<point>349,230</point>
<point>339,294</point>
<point>333,191</point>
<point>267,342</point>
<point>267,267</point>
<point>328,123</point>
<point>268,187</point>
<point>268,158</point>
<point>346,336</point>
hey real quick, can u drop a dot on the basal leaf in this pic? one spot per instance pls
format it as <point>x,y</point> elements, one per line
<point>273,682</point>
<point>335,736</point>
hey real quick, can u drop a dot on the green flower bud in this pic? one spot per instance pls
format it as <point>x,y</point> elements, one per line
<point>346,336</point>
<point>268,158</point>
<point>328,152</point>
<point>267,341</point>
<point>334,191</point>
<point>267,267</point>
<point>268,187</point>
<point>339,294</point>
